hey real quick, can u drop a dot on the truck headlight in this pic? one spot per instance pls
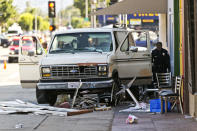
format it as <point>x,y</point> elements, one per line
<point>46,72</point>
<point>102,68</point>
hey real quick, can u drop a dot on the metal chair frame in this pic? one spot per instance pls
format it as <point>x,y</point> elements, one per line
<point>164,80</point>
<point>175,95</point>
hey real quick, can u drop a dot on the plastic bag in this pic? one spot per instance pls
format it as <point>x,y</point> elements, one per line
<point>131,119</point>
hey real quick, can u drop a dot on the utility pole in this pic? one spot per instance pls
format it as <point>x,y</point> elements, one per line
<point>86,17</point>
<point>69,18</point>
<point>93,9</point>
<point>36,23</point>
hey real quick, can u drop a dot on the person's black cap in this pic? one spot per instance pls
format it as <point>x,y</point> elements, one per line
<point>159,43</point>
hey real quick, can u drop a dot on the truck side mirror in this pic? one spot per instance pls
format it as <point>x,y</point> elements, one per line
<point>133,49</point>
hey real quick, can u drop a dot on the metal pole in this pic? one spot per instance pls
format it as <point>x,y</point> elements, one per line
<point>69,18</point>
<point>94,20</point>
<point>93,9</point>
<point>36,21</point>
<point>126,20</point>
<point>86,9</point>
<point>92,25</point>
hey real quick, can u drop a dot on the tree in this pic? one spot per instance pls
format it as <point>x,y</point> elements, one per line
<point>79,22</point>
<point>26,21</point>
<point>32,10</point>
<point>7,11</point>
<point>66,15</point>
<point>80,4</point>
<point>41,23</point>
<point>45,25</point>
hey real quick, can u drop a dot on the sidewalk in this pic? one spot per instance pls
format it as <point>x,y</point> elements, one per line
<point>95,121</point>
<point>172,121</point>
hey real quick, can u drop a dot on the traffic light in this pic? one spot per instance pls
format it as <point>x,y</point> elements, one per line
<point>52,27</point>
<point>51,7</point>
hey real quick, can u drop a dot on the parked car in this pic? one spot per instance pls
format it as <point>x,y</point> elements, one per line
<point>96,60</point>
<point>28,46</point>
<point>4,42</point>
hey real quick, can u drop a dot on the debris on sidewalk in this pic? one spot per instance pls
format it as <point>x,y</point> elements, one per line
<point>103,108</point>
<point>18,106</point>
<point>19,125</point>
<point>131,119</point>
<point>188,117</point>
<point>88,101</point>
<point>64,105</point>
<point>139,107</point>
<point>80,112</point>
<point>142,107</point>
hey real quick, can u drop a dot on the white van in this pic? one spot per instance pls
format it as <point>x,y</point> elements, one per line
<point>14,30</point>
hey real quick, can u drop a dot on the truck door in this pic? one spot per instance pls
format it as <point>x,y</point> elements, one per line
<point>29,55</point>
<point>134,56</point>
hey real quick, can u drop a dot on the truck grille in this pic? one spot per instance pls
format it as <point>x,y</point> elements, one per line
<point>73,71</point>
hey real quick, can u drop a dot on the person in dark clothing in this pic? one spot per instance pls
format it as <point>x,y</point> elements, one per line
<point>160,60</point>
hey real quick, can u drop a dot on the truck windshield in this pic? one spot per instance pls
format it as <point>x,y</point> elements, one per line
<point>82,42</point>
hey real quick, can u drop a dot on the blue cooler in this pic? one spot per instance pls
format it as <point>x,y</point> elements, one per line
<point>155,105</point>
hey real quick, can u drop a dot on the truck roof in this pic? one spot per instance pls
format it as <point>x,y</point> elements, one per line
<point>90,30</point>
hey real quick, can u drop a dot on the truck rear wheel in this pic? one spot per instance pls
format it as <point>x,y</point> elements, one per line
<point>45,97</point>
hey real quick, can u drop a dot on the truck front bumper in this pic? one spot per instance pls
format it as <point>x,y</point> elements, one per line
<point>74,85</point>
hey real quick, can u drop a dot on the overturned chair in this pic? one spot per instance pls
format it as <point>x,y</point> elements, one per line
<point>169,91</point>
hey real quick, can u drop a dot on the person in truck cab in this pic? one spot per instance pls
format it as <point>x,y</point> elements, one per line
<point>160,60</point>
<point>91,42</point>
<point>44,45</point>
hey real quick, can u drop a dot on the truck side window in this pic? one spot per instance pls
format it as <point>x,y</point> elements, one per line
<point>119,36</point>
<point>30,46</point>
<point>131,41</point>
<point>140,39</point>
<point>125,45</point>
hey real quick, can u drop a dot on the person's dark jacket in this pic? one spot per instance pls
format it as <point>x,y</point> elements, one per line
<point>161,61</point>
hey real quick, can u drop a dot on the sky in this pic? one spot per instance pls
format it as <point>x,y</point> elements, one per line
<point>42,4</point>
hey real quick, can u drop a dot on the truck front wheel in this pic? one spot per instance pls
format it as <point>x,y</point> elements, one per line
<point>115,90</point>
<point>45,97</point>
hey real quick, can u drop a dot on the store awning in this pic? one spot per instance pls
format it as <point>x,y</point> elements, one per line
<point>134,6</point>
